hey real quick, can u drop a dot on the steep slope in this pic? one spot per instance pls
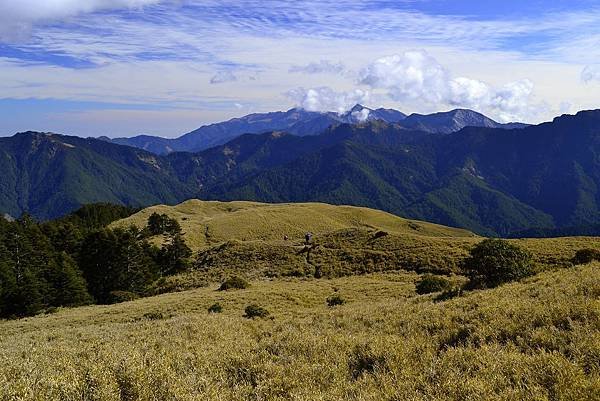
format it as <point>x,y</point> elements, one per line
<point>488,180</point>
<point>49,175</point>
<point>404,182</point>
<point>553,167</point>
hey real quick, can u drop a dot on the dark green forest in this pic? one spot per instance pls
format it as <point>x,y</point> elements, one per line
<point>77,260</point>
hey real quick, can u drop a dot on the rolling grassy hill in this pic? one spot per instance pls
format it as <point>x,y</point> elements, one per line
<point>246,239</point>
<point>207,223</point>
<point>536,340</point>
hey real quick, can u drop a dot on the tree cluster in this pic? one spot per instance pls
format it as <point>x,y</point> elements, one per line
<point>78,260</point>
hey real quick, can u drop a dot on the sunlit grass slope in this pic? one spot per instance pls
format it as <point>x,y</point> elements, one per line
<point>246,238</point>
<point>534,340</point>
<point>207,223</point>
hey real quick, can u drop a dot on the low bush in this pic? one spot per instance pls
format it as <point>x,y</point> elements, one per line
<point>430,283</point>
<point>234,283</point>
<point>255,311</point>
<point>494,261</point>
<point>380,234</point>
<point>335,300</point>
<point>215,308</point>
<point>585,256</point>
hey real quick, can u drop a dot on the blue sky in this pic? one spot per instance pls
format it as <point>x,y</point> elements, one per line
<point>165,67</point>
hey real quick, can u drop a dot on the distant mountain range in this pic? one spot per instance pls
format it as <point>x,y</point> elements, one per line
<point>490,180</point>
<point>302,123</point>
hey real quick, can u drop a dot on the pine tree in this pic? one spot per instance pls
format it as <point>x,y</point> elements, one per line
<point>28,298</point>
<point>157,223</point>
<point>68,287</point>
<point>8,285</point>
<point>115,260</point>
<point>173,256</point>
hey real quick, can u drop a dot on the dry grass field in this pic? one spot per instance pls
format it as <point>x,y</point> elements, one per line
<point>538,339</point>
<point>534,340</point>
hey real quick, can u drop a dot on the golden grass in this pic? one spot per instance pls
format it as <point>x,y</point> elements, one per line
<point>246,238</point>
<point>535,340</point>
<point>207,223</point>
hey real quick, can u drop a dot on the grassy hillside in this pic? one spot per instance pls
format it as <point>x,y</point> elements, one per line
<point>207,223</point>
<point>536,340</point>
<point>246,239</point>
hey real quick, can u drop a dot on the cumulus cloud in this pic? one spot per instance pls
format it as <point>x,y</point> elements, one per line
<point>591,73</point>
<point>413,75</point>
<point>223,77</point>
<point>417,77</point>
<point>361,115</point>
<point>17,17</point>
<point>322,67</point>
<point>326,99</point>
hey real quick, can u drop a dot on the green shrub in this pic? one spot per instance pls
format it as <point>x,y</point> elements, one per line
<point>215,308</point>
<point>585,256</point>
<point>494,261</point>
<point>431,283</point>
<point>335,300</point>
<point>162,224</point>
<point>254,311</point>
<point>234,283</point>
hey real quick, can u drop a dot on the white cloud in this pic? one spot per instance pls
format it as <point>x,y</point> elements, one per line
<point>362,115</point>
<point>326,99</point>
<point>17,17</point>
<point>417,77</point>
<point>512,102</point>
<point>591,73</point>
<point>322,67</point>
<point>223,77</point>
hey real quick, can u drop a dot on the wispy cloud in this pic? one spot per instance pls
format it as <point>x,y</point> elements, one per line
<point>322,67</point>
<point>17,18</point>
<point>180,29</point>
<point>169,52</point>
<point>223,77</point>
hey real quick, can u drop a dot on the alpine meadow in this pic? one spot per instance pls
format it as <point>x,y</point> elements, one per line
<point>310,200</point>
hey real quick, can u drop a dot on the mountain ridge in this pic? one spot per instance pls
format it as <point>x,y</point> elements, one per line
<point>491,181</point>
<point>301,122</point>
